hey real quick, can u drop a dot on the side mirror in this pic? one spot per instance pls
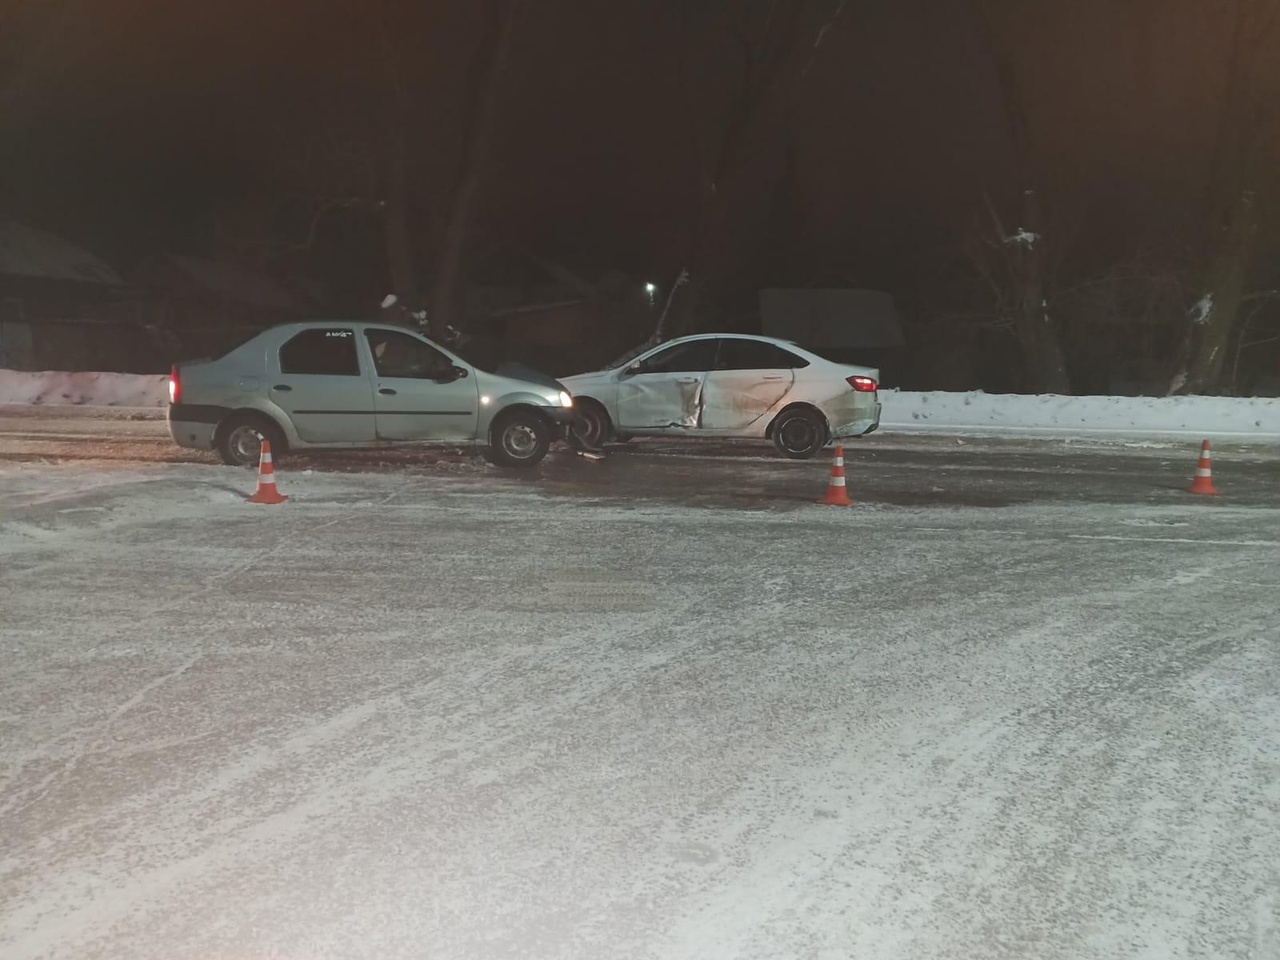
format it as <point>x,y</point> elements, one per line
<point>451,373</point>
<point>632,370</point>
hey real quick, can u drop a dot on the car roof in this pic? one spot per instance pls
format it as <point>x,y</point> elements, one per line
<point>788,344</point>
<point>297,326</point>
<point>340,322</point>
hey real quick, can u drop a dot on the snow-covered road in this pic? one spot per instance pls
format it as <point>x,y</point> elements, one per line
<point>423,716</point>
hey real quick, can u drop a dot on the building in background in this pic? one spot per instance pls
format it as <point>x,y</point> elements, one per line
<point>61,307</point>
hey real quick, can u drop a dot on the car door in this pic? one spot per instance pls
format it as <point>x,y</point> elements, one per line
<point>663,391</point>
<point>751,378</point>
<point>319,383</point>
<point>419,392</point>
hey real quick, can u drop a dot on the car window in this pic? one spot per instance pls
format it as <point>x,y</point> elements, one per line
<point>693,356</point>
<point>741,354</point>
<point>326,351</point>
<point>397,354</point>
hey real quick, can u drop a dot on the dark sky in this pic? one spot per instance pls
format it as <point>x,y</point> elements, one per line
<point>130,124</point>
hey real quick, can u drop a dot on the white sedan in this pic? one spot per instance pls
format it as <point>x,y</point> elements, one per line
<point>728,385</point>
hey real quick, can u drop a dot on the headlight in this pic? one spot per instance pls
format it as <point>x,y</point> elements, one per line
<point>565,399</point>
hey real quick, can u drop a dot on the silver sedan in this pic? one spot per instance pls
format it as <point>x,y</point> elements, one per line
<point>339,384</point>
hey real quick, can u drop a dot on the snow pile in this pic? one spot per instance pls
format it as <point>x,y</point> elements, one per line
<point>905,411</point>
<point>84,389</point>
<point>1050,414</point>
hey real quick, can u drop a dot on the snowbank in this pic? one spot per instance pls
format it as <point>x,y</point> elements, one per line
<point>1053,415</point>
<point>905,411</point>
<point>84,389</point>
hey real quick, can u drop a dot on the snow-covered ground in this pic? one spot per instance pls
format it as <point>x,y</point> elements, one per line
<point>974,413</point>
<point>406,716</point>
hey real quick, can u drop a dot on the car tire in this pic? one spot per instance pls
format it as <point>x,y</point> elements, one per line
<point>799,434</point>
<point>592,422</point>
<point>518,438</point>
<point>239,439</point>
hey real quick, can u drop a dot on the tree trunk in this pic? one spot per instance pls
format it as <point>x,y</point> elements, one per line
<point>1245,121</point>
<point>1212,319</point>
<point>404,280</point>
<point>1043,366</point>
<point>1027,255</point>
<point>482,111</point>
<point>738,174</point>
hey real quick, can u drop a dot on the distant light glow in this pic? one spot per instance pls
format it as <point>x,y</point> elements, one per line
<point>484,401</point>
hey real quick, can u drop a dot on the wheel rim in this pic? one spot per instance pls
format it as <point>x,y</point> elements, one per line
<point>520,441</point>
<point>797,435</point>
<point>245,444</point>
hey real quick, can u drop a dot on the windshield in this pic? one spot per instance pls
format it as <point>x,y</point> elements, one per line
<point>630,355</point>
<point>481,354</point>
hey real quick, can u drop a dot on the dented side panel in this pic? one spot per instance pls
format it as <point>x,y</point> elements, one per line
<point>653,401</point>
<point>741,399</point>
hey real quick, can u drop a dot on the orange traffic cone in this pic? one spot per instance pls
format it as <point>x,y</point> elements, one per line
<point>837,495</point>
<point>266,492</point>
<point>1203,482</point>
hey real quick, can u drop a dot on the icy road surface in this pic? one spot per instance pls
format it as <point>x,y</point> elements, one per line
<point>435,717</point>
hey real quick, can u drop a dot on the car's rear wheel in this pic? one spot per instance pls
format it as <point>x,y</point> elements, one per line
<point>239,440</point>
<point>592,422</point>
<point>518,438</point>
<point>799,434</point>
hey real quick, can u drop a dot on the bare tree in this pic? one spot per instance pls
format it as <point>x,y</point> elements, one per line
<point>330,175</point>
<point>481,113</point>
<point>740,133</point>
<point>397,115</point>
<point>1247,125</point>
<point>1022,249</point>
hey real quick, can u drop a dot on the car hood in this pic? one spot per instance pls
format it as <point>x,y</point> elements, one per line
<point>581,380</point>
<point>514,377</point>
<point>518,371</point>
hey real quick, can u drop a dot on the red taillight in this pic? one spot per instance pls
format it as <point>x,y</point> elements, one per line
<point>862,384</point>
<point>175,386</point>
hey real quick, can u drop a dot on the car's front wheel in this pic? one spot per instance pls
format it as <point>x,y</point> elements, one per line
<point>592,423</point>
<point>799,434</point>
<point>239,440</point>
<point>519,438</point>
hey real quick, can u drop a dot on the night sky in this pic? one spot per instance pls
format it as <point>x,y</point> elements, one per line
<point>131,125</point>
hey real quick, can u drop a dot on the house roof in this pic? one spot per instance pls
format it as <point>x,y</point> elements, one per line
<point>25,252</point>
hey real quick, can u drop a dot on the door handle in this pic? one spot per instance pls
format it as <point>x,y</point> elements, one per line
<point>387,392</point>
<point>688,380</point>
<point>773,378</point>
<point>282,387</point>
